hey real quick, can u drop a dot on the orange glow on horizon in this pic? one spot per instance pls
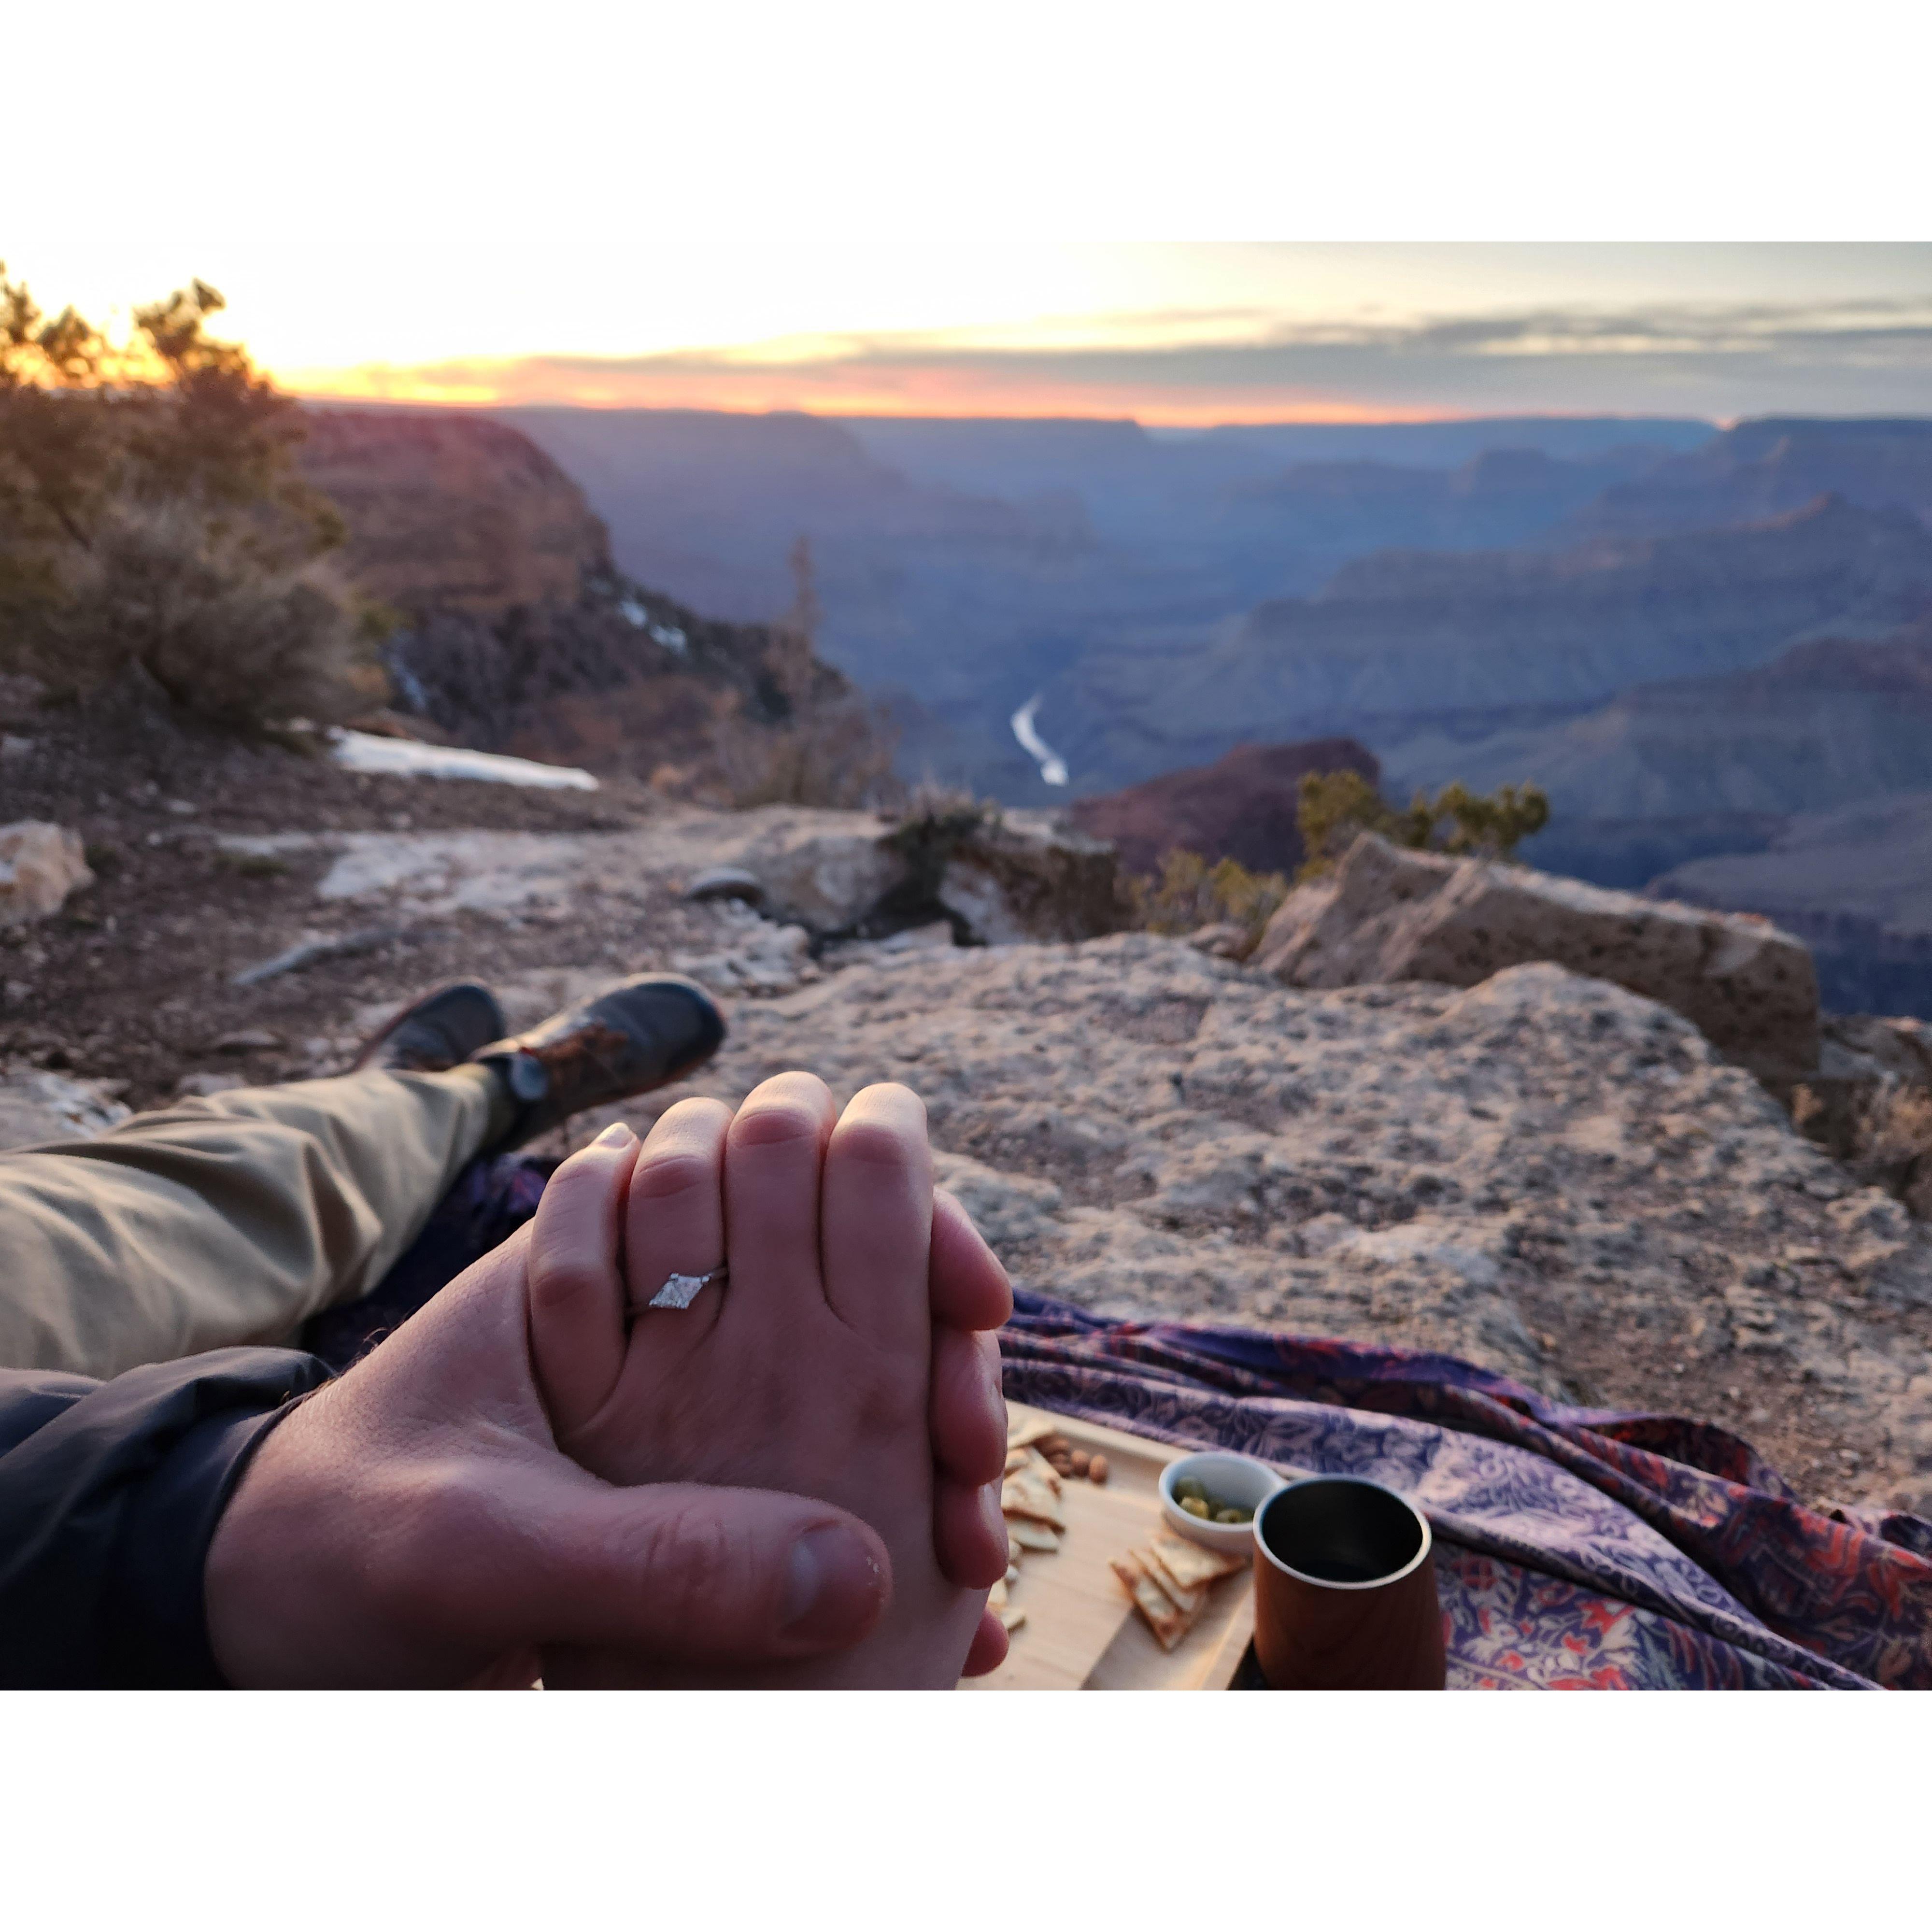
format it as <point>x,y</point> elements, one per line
<point>831,390</point>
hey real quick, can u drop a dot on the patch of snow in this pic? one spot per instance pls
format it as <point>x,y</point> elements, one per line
<point>1052,765</point>
<point>404,758</point>
<point>634,614</point>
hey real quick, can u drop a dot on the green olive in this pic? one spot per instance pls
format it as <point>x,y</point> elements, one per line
<point>1189,1485</point>
<point>1195,1506</point>
<point>1230,1516</point>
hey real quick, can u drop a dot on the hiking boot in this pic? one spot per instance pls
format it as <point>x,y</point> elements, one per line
<point>647,1032</point>
<point>440,1030</point>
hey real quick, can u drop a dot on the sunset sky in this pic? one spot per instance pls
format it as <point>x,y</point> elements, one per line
<point>1170,333</point>
<point>630,208</point>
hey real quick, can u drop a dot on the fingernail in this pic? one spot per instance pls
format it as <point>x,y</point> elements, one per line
<point>616,1135</point>
<point>833,1586</point>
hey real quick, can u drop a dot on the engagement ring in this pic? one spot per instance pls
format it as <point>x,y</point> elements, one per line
<point>680,1291</point>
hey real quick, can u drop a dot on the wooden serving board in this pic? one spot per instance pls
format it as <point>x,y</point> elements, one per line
<point>1082,1632</point>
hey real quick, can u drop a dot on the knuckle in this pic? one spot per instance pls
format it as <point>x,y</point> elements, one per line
<point>873,1142</point>
<point>558,1278</point>
<point>672,1174</point>
<point>777,1121</point>
<point>702,1575</point>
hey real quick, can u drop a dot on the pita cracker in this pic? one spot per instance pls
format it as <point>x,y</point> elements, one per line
<point>1022,1432</point>
<point>1022,1496</point>
<point>1186,1600</point>
<point>1164,1616</point>
<point>996,1597</point>
<point>1012,1618</point>
<point>1037,1465</point>
<point>1027,1535</point>
<point>1016,1458</point>
<point>1190,1563</point>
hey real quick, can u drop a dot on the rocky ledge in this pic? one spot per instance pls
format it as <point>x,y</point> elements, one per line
<point>1544,1173</point>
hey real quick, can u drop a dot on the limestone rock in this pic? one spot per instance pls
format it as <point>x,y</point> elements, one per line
<point>755,957</point>
<point>726,882</point>
<point>822,870</point>
<point>1543,1173</point>
<point>199,1086</point>
<point>1870,1104</point>
<point>1226,939</point>
<point>1388,914</point>
<point>249,1039</point>
<point>1025,876</point>
<point>40,865</point>
<point>36,1106</point>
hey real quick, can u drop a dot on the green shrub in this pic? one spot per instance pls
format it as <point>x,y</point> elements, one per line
<point>151,522</point>
<point>1335,807</point>
<point>1189,893</point>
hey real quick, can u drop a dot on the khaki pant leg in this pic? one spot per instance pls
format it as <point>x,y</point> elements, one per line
<point>226,1220</point>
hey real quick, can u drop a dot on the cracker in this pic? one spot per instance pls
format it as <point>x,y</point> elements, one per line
<point>996,1597</point>
<point>1023,1431</point>
<point>1165,1618</point>
<point>1027,1535</point>
<point>1013,1618</point>
<point>1037,1465</point>
<point>1190,1563</point>
<point>1016,1458</point>
<point>1025,1496</point>
<point>1184,1599</point>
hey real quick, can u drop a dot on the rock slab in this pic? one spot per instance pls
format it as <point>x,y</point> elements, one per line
<point>1389,914</point>
<point>40,865</point>
<point>1544,1173</point>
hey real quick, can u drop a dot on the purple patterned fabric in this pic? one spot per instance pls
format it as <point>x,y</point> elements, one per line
<point>1577,1549</point>
<point>1689,1562</point>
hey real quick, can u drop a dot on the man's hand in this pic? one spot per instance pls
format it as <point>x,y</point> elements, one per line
<point>414,1523</point>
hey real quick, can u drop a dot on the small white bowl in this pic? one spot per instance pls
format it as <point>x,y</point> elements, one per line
<point>1240,1481</point>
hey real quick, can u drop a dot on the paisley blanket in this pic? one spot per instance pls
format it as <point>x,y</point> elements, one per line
<point>1577,1549</point>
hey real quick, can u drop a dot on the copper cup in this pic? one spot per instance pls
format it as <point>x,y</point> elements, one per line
<point>1344,1590</point>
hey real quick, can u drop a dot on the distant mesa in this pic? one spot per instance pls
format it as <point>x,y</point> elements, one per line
<point>1765,468</point>
<point>1242,806</point>
<point>452,511</point>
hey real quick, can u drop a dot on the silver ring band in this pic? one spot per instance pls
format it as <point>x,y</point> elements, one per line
<point>680,1291</point>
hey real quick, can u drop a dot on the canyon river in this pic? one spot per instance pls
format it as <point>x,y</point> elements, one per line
<point>1052,765</point>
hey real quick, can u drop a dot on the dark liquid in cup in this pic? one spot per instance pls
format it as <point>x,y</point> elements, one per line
<point>1340,1531</point>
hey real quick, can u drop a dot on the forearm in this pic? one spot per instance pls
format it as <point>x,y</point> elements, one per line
<point>109,1495</point>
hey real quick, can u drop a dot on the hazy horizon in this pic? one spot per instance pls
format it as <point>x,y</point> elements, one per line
<point>1171,335</point>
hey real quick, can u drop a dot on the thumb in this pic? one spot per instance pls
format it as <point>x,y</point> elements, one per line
<point>684,1572</point>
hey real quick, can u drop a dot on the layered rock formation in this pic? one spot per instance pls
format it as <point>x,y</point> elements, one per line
<point>1386,914</point>
<point>521,634</point>
<point>452,512</point>
<point>1242,807</point>
<point>1396,637</point>
<point>1765,467</point>
<point>1825,724</point>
